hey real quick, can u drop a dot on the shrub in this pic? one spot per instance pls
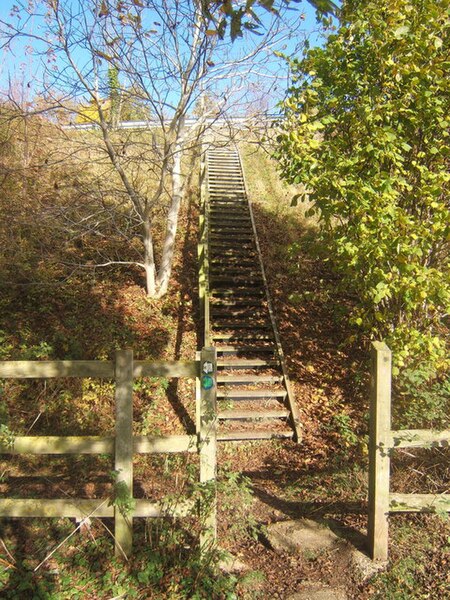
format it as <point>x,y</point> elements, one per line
<point>367,133</point>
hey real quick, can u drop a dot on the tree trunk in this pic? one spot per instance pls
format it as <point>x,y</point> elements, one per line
<point>149,259</point>
<point>172,220</point>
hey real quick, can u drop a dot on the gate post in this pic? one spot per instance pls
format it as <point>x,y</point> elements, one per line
<point>208,444</point>
<point>379,451</point>
<point>123,522</point>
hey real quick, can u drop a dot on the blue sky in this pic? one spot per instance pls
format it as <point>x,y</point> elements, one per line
<point>22,65</point>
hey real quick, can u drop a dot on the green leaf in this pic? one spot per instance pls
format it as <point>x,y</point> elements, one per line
<point>401,31</point>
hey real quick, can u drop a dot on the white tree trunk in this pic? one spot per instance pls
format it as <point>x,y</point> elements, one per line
<point>149,259</point>
<point>165,269</point>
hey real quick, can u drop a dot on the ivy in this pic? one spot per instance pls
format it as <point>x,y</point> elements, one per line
<point>366,132</point>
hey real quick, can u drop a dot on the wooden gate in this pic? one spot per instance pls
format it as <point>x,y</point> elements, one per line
<point>123,445</point>
<point>382,443</point>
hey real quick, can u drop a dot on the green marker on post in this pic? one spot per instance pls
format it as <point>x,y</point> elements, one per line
<point>207,382</point>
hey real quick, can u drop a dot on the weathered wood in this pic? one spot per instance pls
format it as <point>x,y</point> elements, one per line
<point>47,369</point>
<point>379,460</point>
<point>77,508</point>
<point>123,523</point>
<point>164,444</point>
<point>168,368</point>
<point>72,508</point>
<point>240,436</point>
<point>208,443</point>
<point>155,510</point>
<point>250,394</point>
<point>419,502</point>
<point>244,363</point>
<point>419,438</point>
<point>92,444</point>
<point>43,369</point>
<point>254,414</point>
<point>88,444</point>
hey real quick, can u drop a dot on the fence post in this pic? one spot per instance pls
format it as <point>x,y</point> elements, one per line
<point>379,451</point>
<point>208,442</point>
<point>123,521</point>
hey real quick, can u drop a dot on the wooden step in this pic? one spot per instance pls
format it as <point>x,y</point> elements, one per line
<point>219,280</point>
<point>252,414</point>
<point>250,349</point>
<point>219,302</point>
<point>240,436</point>
<point>244,230</point>
<point>236,394</point>
<point>241,337</point>
<point>243,363</point>
<point>248,379</point>
<point>231,238</point>
<point>237,292</point>
<point>220,262</point>
<point>234,269</point>
<point>236,325</point>
<point>225,313</point>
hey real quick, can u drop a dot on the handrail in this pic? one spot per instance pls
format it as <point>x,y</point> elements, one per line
<point>295,416</point>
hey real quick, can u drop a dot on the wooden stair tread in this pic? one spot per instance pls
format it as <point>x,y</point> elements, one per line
<point>254,394</point>
<point>220,302</point>
<point>242,337</point>
<point>253,414</point>
<point>249,379</point>
<point>242,292</point>
<point>245,348</point>
<point>245,363</point>
<point>240,325</point>
<point>237,435</point>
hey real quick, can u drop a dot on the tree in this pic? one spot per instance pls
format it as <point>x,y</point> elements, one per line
<point>164,53</point>
<point>367,133</point>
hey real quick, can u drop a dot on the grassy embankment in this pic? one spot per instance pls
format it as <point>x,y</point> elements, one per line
<point>53,308</point>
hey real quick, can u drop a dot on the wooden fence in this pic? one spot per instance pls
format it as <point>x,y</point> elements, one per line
<point>382,443</point>
<point>123,445</point>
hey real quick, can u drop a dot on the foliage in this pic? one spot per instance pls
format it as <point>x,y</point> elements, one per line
<point>419,403</point>
<point>84,569</point>
<point>414,574</point>
<point>243,16</point>
<point>367,133</point>
<point>121,496</point>
<point>236,496</point>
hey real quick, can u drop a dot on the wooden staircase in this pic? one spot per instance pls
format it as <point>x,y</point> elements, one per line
<point>254,396</point>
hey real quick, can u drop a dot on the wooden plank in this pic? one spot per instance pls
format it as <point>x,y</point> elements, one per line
<point>46,369</point>
<point>253,414</point>
<point>238,379</point>
<point>164,444</point>
<point>379,460</point>
<point>208,446</point>
<point>77,508</point>
<point>93,368</point>
<point>244,348</point>
<point>148,509</point>
<point>74,508</point>
<point>250,394</point>
<point>419,438</point>
<point>90,444</point>
<point>246,363</point>
<point>240,436</point>
<point>419,502</point>
<point>99,445</point>
<point>123,523</point>
<point>166,368</point>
